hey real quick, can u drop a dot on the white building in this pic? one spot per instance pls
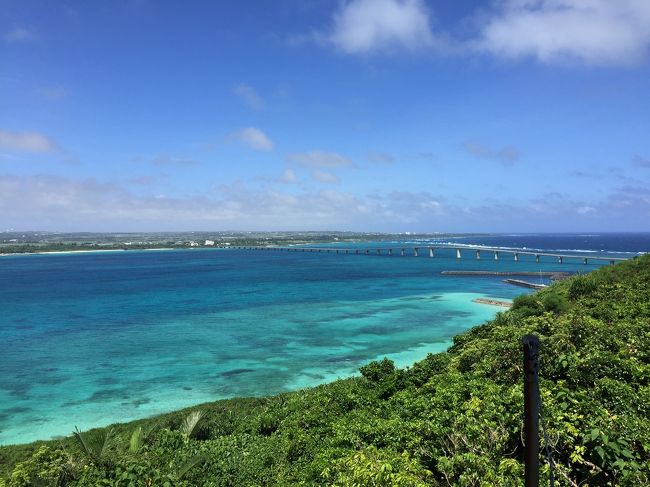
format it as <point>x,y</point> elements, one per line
<point>209,242</point>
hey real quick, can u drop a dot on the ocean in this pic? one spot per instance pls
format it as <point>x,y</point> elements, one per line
<point>94,338</point>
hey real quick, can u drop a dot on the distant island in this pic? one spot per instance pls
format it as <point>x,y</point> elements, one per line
<point>40,242</point>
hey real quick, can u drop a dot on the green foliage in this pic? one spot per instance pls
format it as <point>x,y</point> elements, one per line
<point>96,446</point>
<point>46,467</point>
<point>190,423</point>
<point>451,419</point>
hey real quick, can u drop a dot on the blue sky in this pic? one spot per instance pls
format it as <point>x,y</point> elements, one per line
<point>377,115</point>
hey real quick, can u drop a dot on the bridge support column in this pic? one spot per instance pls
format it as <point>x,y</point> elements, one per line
<point>415,251</point>
<point>516,257</point>
<point>346,251</point>
<point>536,257</point>
<point>559,259</point>
<point>431,252</point>
<point>584,261</point>
<point>478,255</point>
<point>402,252</point>
<point>611,262</point>
<point>367,252</point>
<point>496,255</point>
<point>378,251</point>
<point>390,251</point>
<point>458,256</point>
<point>356,252</point>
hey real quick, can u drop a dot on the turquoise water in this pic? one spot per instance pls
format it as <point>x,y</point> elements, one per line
<point>90,339</point>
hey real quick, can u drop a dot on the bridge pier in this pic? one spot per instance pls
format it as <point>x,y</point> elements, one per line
<point>611,262</point>
<point>402,252</point>
<point>496,255</point>
<point>390,251</point>
<point>478,255</point>
<point>584,261</point>
<point>415,251</point>
<point>458,256</point>
<point>559,259</point>
<point>378,251</point>
<point>431,252</point>
<point>367,252</point>
<point>356,252</point>
<point>516,257</point>
<point>536,257</point>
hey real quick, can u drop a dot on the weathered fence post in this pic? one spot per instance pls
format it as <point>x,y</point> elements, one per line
<point>531,410</point>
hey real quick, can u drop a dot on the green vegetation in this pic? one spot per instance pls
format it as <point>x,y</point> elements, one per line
<point>452,419</point>
<point>31,242</point>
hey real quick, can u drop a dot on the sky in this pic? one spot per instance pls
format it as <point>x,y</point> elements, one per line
<point>361,115</point>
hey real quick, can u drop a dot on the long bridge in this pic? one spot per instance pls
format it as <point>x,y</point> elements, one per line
<point>477,252</point>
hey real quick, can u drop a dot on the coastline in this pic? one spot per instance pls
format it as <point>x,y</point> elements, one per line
<point>83,251</point>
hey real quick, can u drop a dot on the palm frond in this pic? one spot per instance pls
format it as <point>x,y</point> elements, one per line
<point>188,427</point>
<point>95,447</point>
<point>190,464</point>
<point>137,439</point>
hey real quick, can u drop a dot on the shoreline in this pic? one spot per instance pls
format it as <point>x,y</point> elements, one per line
<point>83,251</point>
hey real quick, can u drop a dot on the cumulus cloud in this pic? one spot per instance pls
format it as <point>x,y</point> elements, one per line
<point>380,157</point>
<point>506,155</point>
<point>49,202</point>
<point>319,159</point>
<point>325,177</point>
<point>250,96</point>
<point>363,26</point>
<point>20,34</point>
<point>289,176</point>
<point>594,32</point>
<point>27,142</point>
<point>586,210</point>
<point>58,203</point>
<point>253,138</point>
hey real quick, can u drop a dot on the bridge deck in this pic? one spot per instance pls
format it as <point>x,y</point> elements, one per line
<point>375,250</point>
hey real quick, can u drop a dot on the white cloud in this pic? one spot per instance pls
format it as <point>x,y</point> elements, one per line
<point>20,34</point>
<point>362,26</point>
<point>253,138</point>
<point>167,160</point>
<point>506,155</point>
<point>325,177</point>
<point>250,96</point>
<point>58,203</point>
<point>319,159</point>
<point>288,176</point>
<point>586,210</point>
<point>594,32</point>
<point>27,142</point>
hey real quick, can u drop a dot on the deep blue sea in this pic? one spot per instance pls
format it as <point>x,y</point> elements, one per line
<point>93,338</point>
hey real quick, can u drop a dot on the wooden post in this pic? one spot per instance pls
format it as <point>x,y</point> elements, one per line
<point>531,410</point>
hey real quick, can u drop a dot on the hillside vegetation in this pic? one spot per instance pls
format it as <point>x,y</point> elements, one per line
<point>453,418</point>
